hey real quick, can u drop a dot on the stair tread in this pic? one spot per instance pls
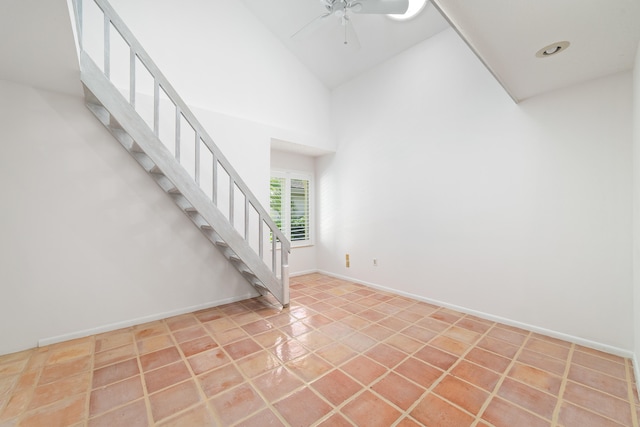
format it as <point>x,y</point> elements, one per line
<point>199,221</point>
<point>125,139</point>
<point>247,272</point>
<point>183,203</point>
<point>135,148</point>
<point>100,112</point>
<point>165,183</point>
<point>146,162</point>
<point>124,126</point>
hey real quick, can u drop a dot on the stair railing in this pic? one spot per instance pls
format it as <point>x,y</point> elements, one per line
<point>238,191</point>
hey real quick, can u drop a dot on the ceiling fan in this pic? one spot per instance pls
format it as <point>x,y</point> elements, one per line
<point>342,9</point>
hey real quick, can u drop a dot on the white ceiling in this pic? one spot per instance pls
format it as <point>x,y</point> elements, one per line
<point>505,34</point>
<point>323,51</point>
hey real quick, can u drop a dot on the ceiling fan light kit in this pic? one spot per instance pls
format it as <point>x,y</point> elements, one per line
<point>342,9</point>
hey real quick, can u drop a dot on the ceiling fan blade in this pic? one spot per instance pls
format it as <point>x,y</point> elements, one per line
<point>380,6</point>
<point>311,26</point>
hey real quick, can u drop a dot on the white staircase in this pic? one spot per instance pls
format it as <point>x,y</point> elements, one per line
<point>240,227</point>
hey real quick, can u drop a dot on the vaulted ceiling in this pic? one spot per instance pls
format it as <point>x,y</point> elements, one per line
<point>323,51</point>
<point>505,34</point>
<point>603,36</point>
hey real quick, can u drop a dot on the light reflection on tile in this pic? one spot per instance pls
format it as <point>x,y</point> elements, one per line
<point>347,353</point>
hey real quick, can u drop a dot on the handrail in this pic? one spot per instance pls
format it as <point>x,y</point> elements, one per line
<point>182,110</point>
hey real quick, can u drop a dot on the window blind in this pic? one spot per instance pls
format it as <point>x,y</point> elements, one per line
<point>290,205</point>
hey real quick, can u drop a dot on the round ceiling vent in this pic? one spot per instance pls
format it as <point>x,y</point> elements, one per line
<point>552,49</point>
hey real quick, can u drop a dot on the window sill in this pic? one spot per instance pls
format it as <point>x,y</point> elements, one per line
<point>299,246</point>
<point>302,245</point>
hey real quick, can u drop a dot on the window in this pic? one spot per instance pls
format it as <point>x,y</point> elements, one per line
<point>291,205</point>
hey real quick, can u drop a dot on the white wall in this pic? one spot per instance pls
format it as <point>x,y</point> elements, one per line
<point>303,258</point>
<point>636,208</point>
<point>247,88</point>
<point>221,58</point>
<point>92,243</point>
<point>89,241</point>
<point>29,26</point>
<point>521,212</point>
<point>515,211</point>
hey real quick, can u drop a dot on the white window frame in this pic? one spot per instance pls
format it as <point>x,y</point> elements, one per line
<point>288,175</point>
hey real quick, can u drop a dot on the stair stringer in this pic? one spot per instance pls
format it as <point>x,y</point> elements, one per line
<point>126,125</point>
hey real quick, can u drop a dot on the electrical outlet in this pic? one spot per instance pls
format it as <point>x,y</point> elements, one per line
<point>346,258</point>
<point>375,262</point>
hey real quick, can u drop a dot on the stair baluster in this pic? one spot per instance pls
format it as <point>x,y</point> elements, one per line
<point>124,119</point>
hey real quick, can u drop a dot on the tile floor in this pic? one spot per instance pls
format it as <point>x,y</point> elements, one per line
<point>341,355</point>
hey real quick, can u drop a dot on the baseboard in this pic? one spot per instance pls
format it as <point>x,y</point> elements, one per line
<point>543,331</point>
<point>636,373</point>
<point>303,273</point>
<point>140,320</point>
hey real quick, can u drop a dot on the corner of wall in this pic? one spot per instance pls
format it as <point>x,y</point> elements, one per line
<point>636,212</point>
<point>505,321</point>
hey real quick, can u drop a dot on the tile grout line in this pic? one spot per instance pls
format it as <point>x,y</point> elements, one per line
<point>234,363</point>
<point>630,391</point>
<point>406,413</point>
<point>26,413</point>
<point>184,359</point>
<point>249,381</point>
<point>131,331</point>
<point>33,354</point>
<point>456,363</point>
<point>563,386</point>
<point>607,393</point>
<point>362,353</point>
<point>403,413</point>
<point>477,417</point>
<point>503,377</point>
<point>407,355</point>
<point>35,384</point>
<point>448,371</point>
<point>92,370</point>
<point>437,381</point>
<point>313,351</point>
<point>306,384</point>
<point>12,389</point>
<point>590,387</point>
<point>145,392</point>
<point>193,377</point>
<point>336,408</point>
<point>529,336</point>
